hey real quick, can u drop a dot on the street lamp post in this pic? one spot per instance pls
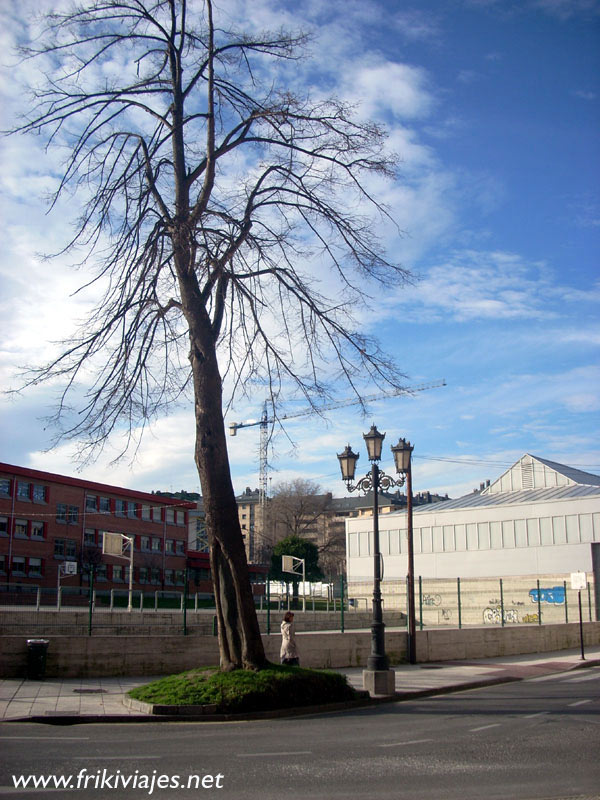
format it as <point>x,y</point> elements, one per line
<point>402,456</point>
<point>378,678</point>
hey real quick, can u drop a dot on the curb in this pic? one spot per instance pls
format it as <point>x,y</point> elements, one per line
<point>161,713</point>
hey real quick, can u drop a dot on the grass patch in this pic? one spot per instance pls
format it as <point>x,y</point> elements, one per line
<point>277,686</point>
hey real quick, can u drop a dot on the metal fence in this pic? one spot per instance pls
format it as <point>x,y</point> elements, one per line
<point>85,610</point>
<point>460,602</point>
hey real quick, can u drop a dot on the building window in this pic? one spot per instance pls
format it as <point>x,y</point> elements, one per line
<point>18,565</point>
<point>3,565</point>
<point>203,574</point>
<point>154,575</point>
<point>21,528</point>
<point>472,540</point>
<point>37,529</point>
<point>155,544</point>
<point>90,502</point>
<point>104,505</point>
<point>4,487</point>
<point>508,533</point>
<point>586,527</point>
<point>143,575</point>
<point>39,493</point>
<point>180,517</point>
<point>572,528</point>
<point>117,573</point>
<point>170,577</point>
<point>101,573</point>
<point>179,548</point>
<point>73,515</point>
<point>89,537</point>
<point>496,535</point>
<point>520,533</point>
<point>483,535</point>
<point>169,546</point>
<point>179,577</point>
<point>144,543</point>
<point>59,548</point>
<point>449,545</point>
<point>560,533</point>
<point>546,531</point>
<point>533,533</point>
<point>61,512</point>
<point>146,512</point>
<point>156,515</point>
<point>120,508</point>
<point>131,510</point>
<point>170,516</point>
<point>23,490</point>
<point>34,567</point>
<point>3,526</point>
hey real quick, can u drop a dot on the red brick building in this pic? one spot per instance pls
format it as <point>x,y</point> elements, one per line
<point>47,520</point>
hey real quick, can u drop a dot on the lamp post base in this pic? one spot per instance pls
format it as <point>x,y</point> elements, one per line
<point>379,682</point>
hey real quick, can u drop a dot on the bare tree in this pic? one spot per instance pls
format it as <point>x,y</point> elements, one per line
<point>202,194</point>
<point>300,508</point>
<point>296,507</point>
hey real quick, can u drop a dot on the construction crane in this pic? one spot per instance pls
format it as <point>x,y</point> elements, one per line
<point>265,421</point>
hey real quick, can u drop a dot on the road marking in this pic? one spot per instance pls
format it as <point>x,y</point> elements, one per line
<point>112,758</point>
<point>594,677</point>
<point>280,753</point>
<point>45,738</point>
<point>485,727</point>
<point>579,703</point>
<point>401,744</point>
<point>532,716</point>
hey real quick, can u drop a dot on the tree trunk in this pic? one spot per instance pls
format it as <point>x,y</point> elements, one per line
<point>240,642</point>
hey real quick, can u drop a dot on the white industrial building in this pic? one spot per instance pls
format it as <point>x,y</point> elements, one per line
<point>539,518</point>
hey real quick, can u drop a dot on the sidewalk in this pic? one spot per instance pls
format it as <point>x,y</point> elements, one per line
<point>101,699</point>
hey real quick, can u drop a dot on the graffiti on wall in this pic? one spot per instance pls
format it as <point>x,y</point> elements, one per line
<point>432,599</point>
<point>493,616</point>
<point>530,618</point>
<point>554,595</point>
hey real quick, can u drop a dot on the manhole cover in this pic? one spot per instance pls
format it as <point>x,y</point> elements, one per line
<point>89,691</point>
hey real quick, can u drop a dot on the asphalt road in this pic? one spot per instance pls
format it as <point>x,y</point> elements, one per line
<point>529,739</point>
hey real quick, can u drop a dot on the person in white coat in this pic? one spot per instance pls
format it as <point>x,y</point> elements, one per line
<point>289,649</point>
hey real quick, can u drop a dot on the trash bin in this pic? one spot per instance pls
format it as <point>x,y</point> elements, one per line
<point>36,658</point>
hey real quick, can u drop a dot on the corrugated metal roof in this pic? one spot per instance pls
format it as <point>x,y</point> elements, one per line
<point>577,475</point>
<point>478,500</point>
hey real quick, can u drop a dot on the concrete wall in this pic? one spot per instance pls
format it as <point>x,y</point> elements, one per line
<point>482,599</point>
<point>96,656</point>
<point>69,622</point>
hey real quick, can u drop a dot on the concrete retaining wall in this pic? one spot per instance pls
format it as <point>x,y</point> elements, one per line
<point>95,656</point>
<point>483,599</point>
<point>167,623</point>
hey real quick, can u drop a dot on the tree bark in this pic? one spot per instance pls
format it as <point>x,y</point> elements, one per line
<point>240,642</point>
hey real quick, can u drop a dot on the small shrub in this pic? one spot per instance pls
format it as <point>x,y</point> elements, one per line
<point>276,686</point>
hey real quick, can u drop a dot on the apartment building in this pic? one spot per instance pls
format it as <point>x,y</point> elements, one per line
<point>47,520</point>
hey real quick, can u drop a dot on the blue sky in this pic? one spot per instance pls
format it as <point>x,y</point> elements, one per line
<point>493,108</point>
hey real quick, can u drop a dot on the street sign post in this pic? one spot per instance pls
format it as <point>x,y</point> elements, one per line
<point>579,582</point>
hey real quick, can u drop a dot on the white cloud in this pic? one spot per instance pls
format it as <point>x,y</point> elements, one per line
<point>384,87</point>
<point>490,285</point>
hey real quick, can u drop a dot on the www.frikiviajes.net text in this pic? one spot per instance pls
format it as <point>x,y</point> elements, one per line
<point>103,779</point>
